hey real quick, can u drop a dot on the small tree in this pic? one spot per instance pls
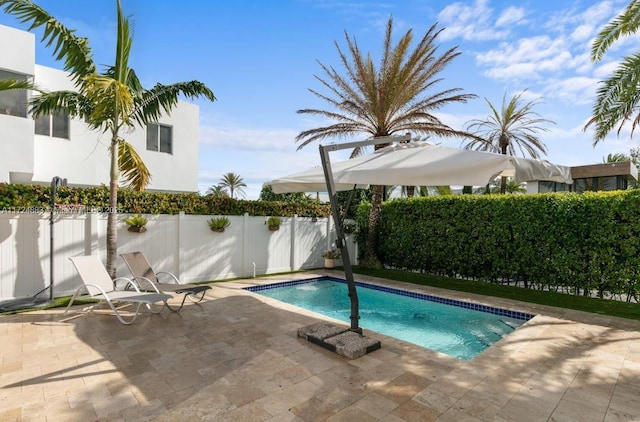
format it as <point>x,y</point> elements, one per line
<point>267,194</point>
<point>217,191</point>
<point>512,128</point>
<point>234,183</point>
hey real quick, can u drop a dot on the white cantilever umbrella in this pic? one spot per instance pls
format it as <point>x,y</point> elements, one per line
<point>417,164</point>
<point>422,164</point>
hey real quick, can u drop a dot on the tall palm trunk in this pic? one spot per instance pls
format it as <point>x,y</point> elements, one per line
<point>504,143</point>
<point>112,227</point>
<point>371,252</point>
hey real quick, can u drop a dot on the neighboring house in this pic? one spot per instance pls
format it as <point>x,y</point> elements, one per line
<point>593,177</point>
<point>36,151</point>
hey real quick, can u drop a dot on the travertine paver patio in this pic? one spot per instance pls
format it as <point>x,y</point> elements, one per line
<point>237,357</point>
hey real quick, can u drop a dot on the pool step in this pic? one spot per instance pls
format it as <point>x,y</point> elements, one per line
<point>338,339</point>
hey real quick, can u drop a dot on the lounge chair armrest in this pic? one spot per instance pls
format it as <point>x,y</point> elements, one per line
<point>144,283</point>
<point>174,279</point>
<point>93,286</point>
<point>128,283</point>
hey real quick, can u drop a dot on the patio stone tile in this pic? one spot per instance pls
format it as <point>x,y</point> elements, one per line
<point>434,399</point>
<point>376,405</point>
<point>351,414</point>
<point>13,415</point>
<point>290,397</point>
<point>402,388</point>
<point>571,410</point>
<point>455,415</point>
<point>414,411</point>
<point>524,409</point>
<point>237,357</point>
<point>285,417</point>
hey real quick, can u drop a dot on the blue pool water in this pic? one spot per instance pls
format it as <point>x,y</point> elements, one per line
<point>459,329</point>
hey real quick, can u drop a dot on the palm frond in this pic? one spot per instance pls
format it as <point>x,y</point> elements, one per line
<point>74,50</point>
<point>135,173</point>
<point>111,99</point>
<point>625,24</point>
<point>74,103</point>
<point>512,130</point>
<point>123,47</point>
<point>387,99</point>
<point>149,104</point>
<point>11,84</point>
<point>617,99</point>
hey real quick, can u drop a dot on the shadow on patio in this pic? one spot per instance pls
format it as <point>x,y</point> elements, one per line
<point>237,357</point>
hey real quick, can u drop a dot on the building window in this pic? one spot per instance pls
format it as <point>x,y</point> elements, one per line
<point>159,138</point>
<point>13,102</point>
<point>605,183</point>
<point>546,186</point>
<point>56,125</point>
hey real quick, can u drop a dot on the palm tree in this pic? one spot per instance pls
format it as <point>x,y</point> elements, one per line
<point>616,158</point>
<point>217,191</point>
<point>511,129</point>
<point>109,101</point>
<point>495,187</point>
<point>234,183</point>
<point>398,96</point>
<point>618,97</point>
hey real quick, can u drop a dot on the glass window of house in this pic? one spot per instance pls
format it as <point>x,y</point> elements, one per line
<point>13,102</point>
<point>165,139</point>
<point>159,138</point>
<point>583,185</point>
<point>545,187</point>
<point>56,125</point>
<point>60,125</point>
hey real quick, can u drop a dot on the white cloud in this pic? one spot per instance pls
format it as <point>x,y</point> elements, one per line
<point>254,139</point>
<point>469,22</point>
<point>511,16</point>
<point>605,70</point>
<point>577,90</point>
<point>582,33</point>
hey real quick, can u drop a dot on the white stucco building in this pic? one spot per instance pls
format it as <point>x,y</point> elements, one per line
<point>36,151</point>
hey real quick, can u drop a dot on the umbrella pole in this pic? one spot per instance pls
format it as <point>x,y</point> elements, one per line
<point>340,243</point>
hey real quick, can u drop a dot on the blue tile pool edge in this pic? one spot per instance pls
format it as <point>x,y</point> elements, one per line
<point>453,302</point>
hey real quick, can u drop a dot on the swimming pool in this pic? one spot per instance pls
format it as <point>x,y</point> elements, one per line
<point>459,329</point>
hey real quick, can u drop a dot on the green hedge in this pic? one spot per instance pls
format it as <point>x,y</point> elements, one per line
<point>22,198</point>
<point>565,242</point>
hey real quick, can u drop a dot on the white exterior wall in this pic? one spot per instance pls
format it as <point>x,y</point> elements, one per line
<point>532,186</point>
<point>84,158</point>
<point>17,54</point>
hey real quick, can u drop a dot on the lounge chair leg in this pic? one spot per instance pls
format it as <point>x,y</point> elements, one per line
<point>181,305</point>
<point>197,297</point>
<point>120,318</point>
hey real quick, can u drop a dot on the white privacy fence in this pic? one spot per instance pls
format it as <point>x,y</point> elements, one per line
<point>181,244</point>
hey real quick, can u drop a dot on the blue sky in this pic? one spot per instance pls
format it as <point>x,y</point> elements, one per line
<point>260,58</point>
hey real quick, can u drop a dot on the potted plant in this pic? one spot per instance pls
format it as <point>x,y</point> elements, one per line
<point>273,223</point>
<point>136,223</point>
<point>218,224</point>
<point>349,226</point>
<point>329,257</point>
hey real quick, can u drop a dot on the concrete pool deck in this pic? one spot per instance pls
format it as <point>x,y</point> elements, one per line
<point>237,357</point>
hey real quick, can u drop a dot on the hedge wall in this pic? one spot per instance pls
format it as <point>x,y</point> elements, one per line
<point>23,198</point>
<point>578,243</point>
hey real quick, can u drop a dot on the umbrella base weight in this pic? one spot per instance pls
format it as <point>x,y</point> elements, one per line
<point>339,339</point>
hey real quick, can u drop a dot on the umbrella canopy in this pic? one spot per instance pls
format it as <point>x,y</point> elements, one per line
<point>423,164</point>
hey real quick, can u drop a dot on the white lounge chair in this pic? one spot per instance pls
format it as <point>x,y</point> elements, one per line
<point>98,285</point>
<point>144,276</point>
